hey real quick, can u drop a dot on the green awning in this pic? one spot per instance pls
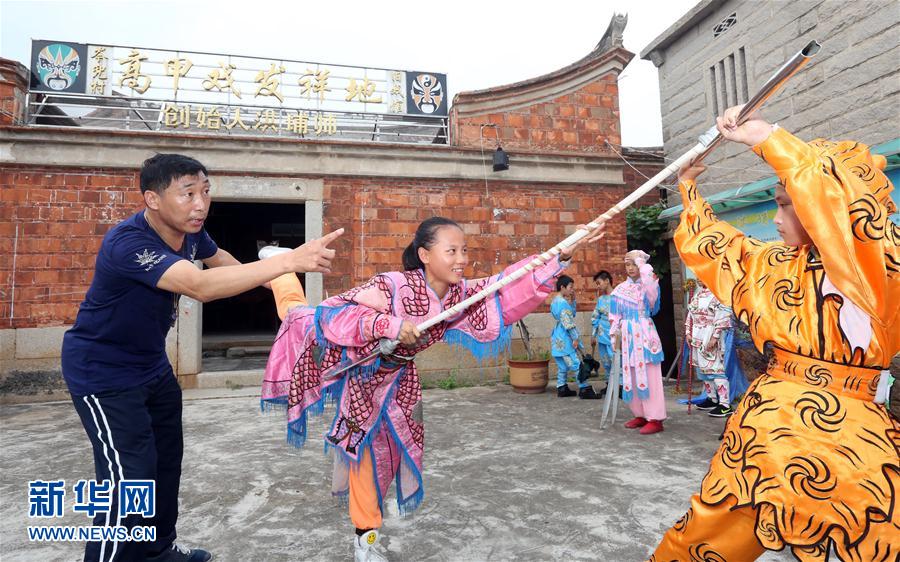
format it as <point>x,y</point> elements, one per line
<point>764,189</point>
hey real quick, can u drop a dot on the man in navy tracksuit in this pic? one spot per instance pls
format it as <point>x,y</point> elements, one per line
<point>114,360</point>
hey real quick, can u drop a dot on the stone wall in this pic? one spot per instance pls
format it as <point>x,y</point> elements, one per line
<point>850,89</point>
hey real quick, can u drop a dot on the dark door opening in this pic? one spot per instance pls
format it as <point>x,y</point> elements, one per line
<point>241,229</point>
<point>665,318</point>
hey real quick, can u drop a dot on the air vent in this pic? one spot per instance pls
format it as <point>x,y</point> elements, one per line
<point>725,25</point>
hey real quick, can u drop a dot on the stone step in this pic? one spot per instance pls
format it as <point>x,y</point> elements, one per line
<point>224,341</point>
<point>248,351</point>
<point>251,378</point>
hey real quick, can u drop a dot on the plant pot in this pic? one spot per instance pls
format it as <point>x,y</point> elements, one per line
<point>529,377</point>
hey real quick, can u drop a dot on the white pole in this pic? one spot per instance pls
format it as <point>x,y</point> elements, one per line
<point>568,242</point>
<point>708,141</point>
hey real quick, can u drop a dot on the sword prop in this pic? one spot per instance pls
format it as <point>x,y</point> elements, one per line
<point>611,400</point>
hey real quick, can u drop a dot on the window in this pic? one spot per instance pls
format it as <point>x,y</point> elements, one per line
<point>725,25</point>
<point>728,82</point>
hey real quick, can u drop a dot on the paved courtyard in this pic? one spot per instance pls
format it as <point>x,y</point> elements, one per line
<point>507,477</point>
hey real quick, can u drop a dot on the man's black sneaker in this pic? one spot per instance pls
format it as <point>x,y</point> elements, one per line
<point>178,553</point>
<point>720,411</point>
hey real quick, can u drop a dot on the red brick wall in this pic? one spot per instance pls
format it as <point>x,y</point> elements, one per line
<point>13,85</point>
<point>647,168</point>
<point>383,215</point>
<point>61,217</point>
<point>62,214</point>
<point>577,122</point>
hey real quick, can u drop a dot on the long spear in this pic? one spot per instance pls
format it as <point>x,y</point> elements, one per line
<point>707,142</point>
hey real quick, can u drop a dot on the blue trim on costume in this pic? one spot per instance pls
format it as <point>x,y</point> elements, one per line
<point>364,371</point>
<point>685,354</point>
<point>370,435</point>
<point>649,357</point>
<point>499,306</point>
<point>325,314</point>
<point>267,405</point>
<point>653,357</point>
<point>654,306</point>
<point>297,430</point>
<point>737,379</point>
<point>406,505</point>
<point>375,479</point>
<point>330,447</point>
<point>560,267</point>
<point>480,350</point>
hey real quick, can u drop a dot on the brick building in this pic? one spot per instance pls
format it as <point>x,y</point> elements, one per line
<point>63,187</point>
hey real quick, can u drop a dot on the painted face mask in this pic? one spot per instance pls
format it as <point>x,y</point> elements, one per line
<point>58,66</point>
<point>427,93</point>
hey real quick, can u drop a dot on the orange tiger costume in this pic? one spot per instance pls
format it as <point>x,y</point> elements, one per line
<point>808,459</point>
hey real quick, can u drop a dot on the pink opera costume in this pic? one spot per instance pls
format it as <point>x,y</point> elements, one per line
<point>379,403</point>
<point>634,301</point>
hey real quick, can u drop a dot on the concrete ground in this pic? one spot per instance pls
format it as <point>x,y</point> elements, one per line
<point>507,477</point>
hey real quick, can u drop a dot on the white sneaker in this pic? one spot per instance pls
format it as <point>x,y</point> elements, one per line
<point>269,251</point>
<point>364,547</point>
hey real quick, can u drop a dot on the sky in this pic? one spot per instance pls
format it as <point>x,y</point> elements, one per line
<point>478,44</point>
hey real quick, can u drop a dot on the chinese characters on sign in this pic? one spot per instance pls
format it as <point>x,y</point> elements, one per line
<point>204,92</point>
<point>132,77</point>
<point>177,68</point>
<point>398,101</point>
<point>268,82</point>
<point>99,74</point>
<point>215,80</point>
<point>364,92</point>
<point>211,119</point>
<point>315,82</point>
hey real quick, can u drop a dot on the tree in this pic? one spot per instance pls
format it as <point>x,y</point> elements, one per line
<point>645,232</point>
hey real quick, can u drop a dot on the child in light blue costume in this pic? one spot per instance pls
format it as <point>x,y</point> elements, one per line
<point>600,321</point>
<point>565,342</point>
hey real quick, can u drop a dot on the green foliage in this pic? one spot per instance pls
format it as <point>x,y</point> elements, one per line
<point>646,233</point>
<point>448,383</point>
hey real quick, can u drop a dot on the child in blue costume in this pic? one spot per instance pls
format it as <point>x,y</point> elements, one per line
<point>600,321</point>
<point>565,341</point>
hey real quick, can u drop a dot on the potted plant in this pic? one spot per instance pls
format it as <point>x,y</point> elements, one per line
<point>528,374</point>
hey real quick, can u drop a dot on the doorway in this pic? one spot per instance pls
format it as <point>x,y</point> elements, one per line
<point>238,331</point>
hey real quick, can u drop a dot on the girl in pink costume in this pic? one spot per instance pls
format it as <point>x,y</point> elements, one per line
<point>378,434</point>
<point>634,301</point>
